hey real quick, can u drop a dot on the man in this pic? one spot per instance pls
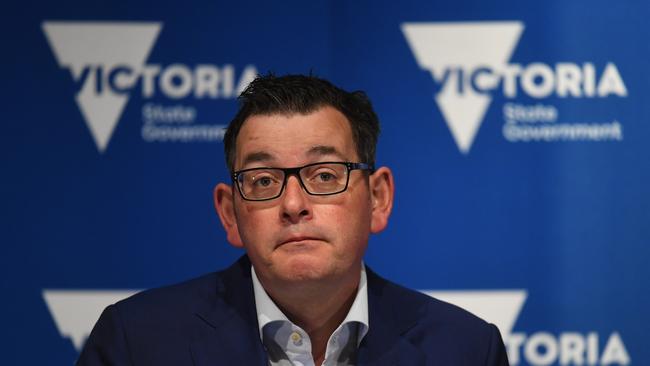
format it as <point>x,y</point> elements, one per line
<point>304,199</point>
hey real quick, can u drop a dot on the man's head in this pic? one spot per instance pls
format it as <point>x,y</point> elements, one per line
<point>297,237</point>
<point>300,94</point>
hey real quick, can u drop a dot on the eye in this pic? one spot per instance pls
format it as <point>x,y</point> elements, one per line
<point>263,181</point>
<point>325,177</point>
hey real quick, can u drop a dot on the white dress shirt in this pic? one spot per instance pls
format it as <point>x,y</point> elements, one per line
<point>289,345</point>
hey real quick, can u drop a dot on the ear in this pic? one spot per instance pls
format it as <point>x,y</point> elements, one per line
<point>225,206</point>
<point>381,196</point>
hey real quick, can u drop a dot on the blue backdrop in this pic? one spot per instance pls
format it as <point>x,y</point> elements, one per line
<point>517,131</point>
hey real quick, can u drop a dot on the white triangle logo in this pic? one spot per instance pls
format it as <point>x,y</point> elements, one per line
<point>466,46</point>
<point>86,47</point>
<point>500,307</point>
<point>76,312</point>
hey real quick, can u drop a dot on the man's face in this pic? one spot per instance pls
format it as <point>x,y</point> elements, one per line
<point>297,236</point>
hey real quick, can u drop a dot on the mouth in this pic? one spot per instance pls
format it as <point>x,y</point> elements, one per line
<point>298,240</point>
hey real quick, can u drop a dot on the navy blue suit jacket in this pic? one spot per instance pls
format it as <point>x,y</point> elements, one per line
<point>212,321</point>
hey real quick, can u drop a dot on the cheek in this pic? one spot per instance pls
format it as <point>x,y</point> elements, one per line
<point>349,223</point>
<point>254,226</point>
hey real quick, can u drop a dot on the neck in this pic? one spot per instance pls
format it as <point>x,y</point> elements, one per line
<point>318,308</point>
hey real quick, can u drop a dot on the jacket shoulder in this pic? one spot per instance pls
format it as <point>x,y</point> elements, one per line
<point>440,330</point>
<point>170,325</point>
<point>422,307</point>
<point>194,295</point>
<point>183,295</point>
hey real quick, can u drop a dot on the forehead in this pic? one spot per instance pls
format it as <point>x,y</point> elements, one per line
<point>295,139</point>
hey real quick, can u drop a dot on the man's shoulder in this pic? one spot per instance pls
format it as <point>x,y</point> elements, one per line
<point>178,295</point>
<point>190,296</point>
<point>422,306</point>
<point>160,326</point>
<point>437,329</point>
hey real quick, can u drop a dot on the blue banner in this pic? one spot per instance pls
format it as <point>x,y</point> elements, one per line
<point>517,133</point>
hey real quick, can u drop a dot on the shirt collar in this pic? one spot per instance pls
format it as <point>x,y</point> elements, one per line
<point>268,312</point>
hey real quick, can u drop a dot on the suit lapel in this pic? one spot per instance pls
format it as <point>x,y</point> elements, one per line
<point>389,320</point>
<point>229,334</point>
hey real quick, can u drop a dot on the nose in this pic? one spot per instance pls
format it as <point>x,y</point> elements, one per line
<point>295,205</point>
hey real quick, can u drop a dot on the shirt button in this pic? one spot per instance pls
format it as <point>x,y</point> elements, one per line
<point>296,338</point>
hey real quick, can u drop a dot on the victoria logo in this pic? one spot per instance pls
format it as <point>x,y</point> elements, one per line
<point>88,50</point>
<point>469,62</point>
<point>107,61</point>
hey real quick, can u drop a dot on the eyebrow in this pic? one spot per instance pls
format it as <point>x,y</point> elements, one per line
<point>320,150</point>
<point>258,156</point>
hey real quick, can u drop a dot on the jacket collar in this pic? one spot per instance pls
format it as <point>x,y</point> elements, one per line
<point>234,335</point>
<point>230,312</point>
<point>390,319</point>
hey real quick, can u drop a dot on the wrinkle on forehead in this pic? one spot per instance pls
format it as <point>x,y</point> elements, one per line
<point>293,138</point>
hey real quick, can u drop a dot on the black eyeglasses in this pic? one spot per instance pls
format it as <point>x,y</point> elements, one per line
<point>318,179</point>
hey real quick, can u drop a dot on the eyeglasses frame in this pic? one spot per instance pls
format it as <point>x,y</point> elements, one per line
<point>296,171</point>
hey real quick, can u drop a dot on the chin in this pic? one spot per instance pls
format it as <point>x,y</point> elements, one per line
<point>305,267</point>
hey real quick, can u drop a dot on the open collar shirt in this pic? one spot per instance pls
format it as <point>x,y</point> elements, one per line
<point>289,345</point>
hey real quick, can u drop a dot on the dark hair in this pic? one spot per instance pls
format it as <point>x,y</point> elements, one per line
<point>303,94</point>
